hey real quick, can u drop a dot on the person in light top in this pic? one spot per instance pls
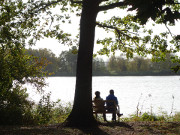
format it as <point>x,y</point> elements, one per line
<point>99,103</point>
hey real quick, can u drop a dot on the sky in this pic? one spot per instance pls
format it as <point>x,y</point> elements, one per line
<point>72,28</point>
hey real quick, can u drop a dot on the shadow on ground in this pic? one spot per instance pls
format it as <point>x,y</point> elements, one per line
<point>101,129</point>
<point>109,128</point>
<point>113,124</point>
<point>104,128</point>
<point>93,131</point>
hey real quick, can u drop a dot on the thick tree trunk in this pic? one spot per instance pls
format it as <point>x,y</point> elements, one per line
<point>81,114</point>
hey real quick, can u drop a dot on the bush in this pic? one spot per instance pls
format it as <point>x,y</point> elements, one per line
<point>176,117</point>
<point>152,117</point>
<point>49,112</point>
<point>148,117</point>
<point>60,112</point>
<point>14,107</point>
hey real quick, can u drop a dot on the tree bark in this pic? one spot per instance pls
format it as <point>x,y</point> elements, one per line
<point>81,114</point>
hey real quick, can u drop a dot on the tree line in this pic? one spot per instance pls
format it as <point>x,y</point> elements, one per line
<point>65,64</point>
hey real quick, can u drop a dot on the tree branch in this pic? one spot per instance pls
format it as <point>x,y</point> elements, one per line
<point>106,26</point>
<point>115,28</point>
<point>43,6</point>
<point>171,33</point>
<point>111,6</point>
<point>119,32</point>
<point>77,2</point>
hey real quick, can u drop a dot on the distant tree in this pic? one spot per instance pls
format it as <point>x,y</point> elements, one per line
<point>146,65</point>
<point>164,66</point>
<point>99,67</point>
<point>117,64</point>
<point>67,61</point>
<point>122,64</point>
<point>48,56</point>
<point>112,64</point>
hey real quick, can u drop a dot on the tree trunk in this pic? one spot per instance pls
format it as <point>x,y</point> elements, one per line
<point>81,114</point>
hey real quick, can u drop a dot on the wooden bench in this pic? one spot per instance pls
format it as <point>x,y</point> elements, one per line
<point>106,110</point>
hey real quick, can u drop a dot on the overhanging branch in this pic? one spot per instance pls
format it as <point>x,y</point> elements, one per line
<point>119,32</point>
<point>171,34</point>
<point>111,6</point>
<point>107,26</point>
<point>76,2</point>
<point>114,28</point>
<point>43,6</point>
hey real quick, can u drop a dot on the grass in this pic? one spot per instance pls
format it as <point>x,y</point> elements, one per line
<point>118,128</point>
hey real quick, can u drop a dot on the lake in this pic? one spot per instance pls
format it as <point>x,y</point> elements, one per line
<point>153,93</point>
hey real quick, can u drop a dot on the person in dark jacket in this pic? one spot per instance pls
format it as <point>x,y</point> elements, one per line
<point>112,105</point>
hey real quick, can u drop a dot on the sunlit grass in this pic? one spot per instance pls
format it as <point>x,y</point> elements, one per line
<point>164,117</point>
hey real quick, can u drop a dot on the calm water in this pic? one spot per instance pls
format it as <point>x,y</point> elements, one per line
<point>152,92</point>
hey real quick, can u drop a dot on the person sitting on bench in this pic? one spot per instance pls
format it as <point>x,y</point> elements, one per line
<point>113,106</point>
<point>98,101</point>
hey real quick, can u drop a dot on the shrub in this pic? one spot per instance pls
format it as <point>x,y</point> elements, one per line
<point>49,112</point>
<point>176,117</point>
<point>15,107</point>
<point>60,112</point>
<point>148,117</point>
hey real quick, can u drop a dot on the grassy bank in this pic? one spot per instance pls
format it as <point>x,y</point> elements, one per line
<point>47,118</point>
<point>47,112</point>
